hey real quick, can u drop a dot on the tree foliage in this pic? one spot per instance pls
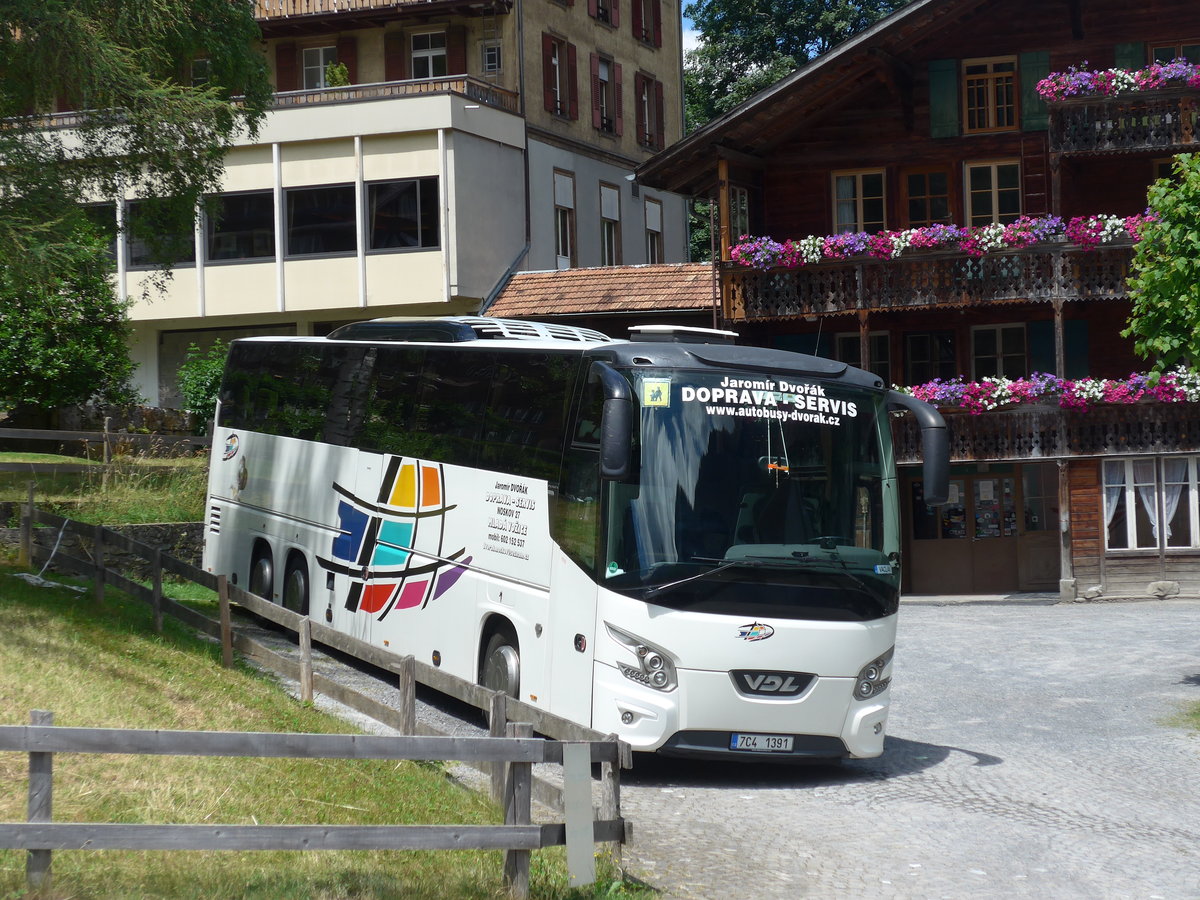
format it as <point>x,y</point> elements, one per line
<point>1165,285</point>
<point>144,129</point>
<point>199,379</point>
<point>63,339</point>
<point>747,45</point>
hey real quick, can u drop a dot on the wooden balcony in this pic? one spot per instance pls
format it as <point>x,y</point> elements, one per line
<point>1046,272</point>
<point>1050,432</point>
<point>1163,121</point>
<point>282,9</point>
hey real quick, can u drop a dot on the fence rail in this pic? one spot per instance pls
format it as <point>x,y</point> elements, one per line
<point>517,836</point>
<point>504,713</point>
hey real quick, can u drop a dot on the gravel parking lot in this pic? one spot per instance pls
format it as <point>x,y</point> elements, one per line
<point>1031,753</point>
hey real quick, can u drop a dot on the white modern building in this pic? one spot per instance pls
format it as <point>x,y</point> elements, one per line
<point>473,140</point>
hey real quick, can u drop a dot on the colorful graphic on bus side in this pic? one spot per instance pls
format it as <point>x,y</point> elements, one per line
<point>392,549</point>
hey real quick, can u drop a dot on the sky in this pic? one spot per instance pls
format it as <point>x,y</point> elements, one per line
<point>690,35</point>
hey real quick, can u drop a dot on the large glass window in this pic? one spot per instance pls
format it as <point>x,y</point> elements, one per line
<point>564,219</point>
<point>654,233</point>
<point>149,240</point>
<point>1150,503</point>
<point>242,226</point>
<point>760,501</point>
<point>858,202</point>
<point>610,225</point>
<point>402,214</point>
<point>1165,53</point>
<point>320,220</point>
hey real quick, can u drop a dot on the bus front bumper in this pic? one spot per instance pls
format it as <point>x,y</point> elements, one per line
<point>702,715</point>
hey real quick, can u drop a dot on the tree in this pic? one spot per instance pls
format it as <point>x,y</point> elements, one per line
<point>199,379</point>
<point>1165,319</point>
<point>145,130</point>
<point>747,45</point>
<point>63,338</point>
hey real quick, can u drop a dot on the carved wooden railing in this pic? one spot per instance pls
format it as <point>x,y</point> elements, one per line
<point>275,9</point>
<point>1164,120</point>
<point>1049,432</point>
<point>1045,272</point>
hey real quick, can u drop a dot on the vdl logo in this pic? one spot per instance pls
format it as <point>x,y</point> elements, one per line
<point>770,684</point>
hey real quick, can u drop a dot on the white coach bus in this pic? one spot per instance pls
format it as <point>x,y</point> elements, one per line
<point>689,543</point>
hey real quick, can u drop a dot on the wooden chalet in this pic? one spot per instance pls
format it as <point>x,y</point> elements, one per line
<point>932,116</point>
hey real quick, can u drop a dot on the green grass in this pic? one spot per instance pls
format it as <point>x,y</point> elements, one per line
<point>134,490</point>
<point>104,667</point>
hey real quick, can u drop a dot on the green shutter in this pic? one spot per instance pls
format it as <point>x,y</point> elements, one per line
<point>1131,55</point>
<point>943,98</point>
<point>1033,67</point>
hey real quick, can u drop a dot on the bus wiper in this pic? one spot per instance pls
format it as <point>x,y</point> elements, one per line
<point>708,573</point>
<point>800,557</point>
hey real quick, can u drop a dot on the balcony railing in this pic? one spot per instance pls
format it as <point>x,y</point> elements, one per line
<point>474,89</point>
<point>1050,432</point>
<point>1044,272</point>
<point>1162,120</point>
<point>276,9</point>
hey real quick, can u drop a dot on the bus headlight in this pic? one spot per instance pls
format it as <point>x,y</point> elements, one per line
<point>870,679</point>
<point>654,666</point>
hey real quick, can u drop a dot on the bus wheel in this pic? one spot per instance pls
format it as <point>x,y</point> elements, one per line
<point>502,665</point>
<point>262,572</point>
<point>295,586</point>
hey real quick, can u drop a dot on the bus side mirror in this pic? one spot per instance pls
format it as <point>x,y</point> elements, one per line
<point>616,423</point>
<point>935,446</point>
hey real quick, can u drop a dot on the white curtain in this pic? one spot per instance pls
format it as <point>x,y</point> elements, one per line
<point>1114,486</point>
<point>1145,481</point>
<point>1174,481</point>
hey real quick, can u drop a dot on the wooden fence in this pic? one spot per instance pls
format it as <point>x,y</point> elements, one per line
<point>517,837</point>
<point>106,441</point>
<point>502,710</point>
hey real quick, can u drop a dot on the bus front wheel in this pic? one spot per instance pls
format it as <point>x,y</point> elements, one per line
<point>295,586</point>
<point>502,665</point>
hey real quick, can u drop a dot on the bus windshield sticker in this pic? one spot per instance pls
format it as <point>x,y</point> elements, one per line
<point>656,393</point>
<point>771,399</point>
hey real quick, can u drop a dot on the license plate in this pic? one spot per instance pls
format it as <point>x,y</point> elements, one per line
<point>761,743</point>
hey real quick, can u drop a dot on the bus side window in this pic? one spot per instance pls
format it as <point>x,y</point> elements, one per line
<point>391,416</point>
<point>575,525</point>
<point>524,420</point>
<point>453,397</point>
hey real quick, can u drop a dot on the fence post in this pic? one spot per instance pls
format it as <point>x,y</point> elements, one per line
<point>98,556</point>
<point>518,810</point>
<point>26,557</point>
<point>406,671</point>
<point>497,718</point>
<point>41,771</point>
<point>226,622</point>
<point>157,594</point>
<point>304,635</point>
<point>106,453</point>
<point>610,788</point>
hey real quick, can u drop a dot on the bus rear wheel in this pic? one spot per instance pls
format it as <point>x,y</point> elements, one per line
<point>502,665</point>
<point>295,586</point>
<point>262,572</point>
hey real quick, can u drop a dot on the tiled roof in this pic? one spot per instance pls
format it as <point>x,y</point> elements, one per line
<point>608,289</point>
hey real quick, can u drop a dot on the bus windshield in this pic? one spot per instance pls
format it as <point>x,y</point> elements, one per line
<point>756,495</point>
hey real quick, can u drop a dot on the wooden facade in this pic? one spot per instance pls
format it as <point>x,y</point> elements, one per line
<point>932,116</point>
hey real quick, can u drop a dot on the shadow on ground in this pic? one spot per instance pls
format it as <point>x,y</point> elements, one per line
<point>900,757</point>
